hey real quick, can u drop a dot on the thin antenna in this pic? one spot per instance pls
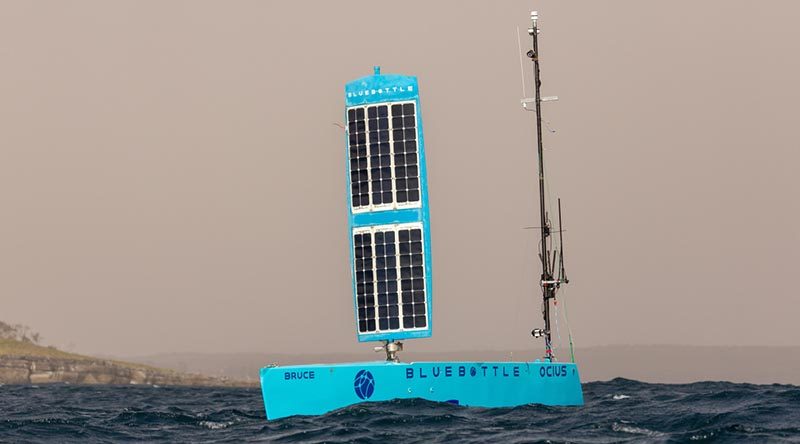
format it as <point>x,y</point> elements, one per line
<point>521,68</point>
<point>562,274</point>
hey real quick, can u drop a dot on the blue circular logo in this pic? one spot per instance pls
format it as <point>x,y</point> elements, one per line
<point>364,384</point>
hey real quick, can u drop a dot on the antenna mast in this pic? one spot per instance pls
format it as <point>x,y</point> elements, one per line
<point>548,283</point>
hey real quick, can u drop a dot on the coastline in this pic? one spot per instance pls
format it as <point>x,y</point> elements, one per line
<point>27,363</point>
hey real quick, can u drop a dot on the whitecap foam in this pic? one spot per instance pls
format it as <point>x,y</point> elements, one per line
<point>211,425</point>
<point>621,427</point>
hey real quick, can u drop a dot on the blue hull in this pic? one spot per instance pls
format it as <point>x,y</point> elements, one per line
<point>321,388</point>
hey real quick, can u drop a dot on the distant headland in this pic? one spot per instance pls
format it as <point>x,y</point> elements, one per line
<point>24,361</point>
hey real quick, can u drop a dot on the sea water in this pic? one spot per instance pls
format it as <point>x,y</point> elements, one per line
<point>615,411</point>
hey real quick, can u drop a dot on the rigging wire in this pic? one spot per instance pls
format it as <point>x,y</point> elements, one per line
<point>517,300</point>
<point>521,67</point>
<point>569,330</point>
<point>555,244</point>
<point>558,329</point>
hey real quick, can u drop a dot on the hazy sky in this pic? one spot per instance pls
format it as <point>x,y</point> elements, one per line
<point>171,178</point>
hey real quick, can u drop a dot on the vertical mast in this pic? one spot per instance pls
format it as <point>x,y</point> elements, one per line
<point>547,282</point>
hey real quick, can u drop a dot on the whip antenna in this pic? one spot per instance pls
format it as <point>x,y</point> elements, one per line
<point>521,66</point>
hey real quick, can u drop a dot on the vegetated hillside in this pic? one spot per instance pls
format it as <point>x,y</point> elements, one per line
<point>22,361</point>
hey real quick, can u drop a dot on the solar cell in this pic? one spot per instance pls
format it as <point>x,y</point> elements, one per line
<point>390,278</point>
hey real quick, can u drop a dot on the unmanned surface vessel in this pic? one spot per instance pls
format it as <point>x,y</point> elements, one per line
<point>390,259</point>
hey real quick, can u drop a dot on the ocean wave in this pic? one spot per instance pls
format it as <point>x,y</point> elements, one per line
<point>617,410</point>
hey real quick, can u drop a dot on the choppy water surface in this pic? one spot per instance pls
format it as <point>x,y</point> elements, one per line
<point>615,411</point>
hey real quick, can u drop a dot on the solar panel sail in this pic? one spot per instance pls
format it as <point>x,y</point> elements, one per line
<point>388,208</point>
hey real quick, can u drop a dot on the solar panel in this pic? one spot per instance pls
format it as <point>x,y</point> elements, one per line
<point>412,277</point>
<point>365,287</point>
<point>406,162</point>
<point>384,158</point>
<point>380,155</point>
<point>389,266</point>
<point>359,170</point>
